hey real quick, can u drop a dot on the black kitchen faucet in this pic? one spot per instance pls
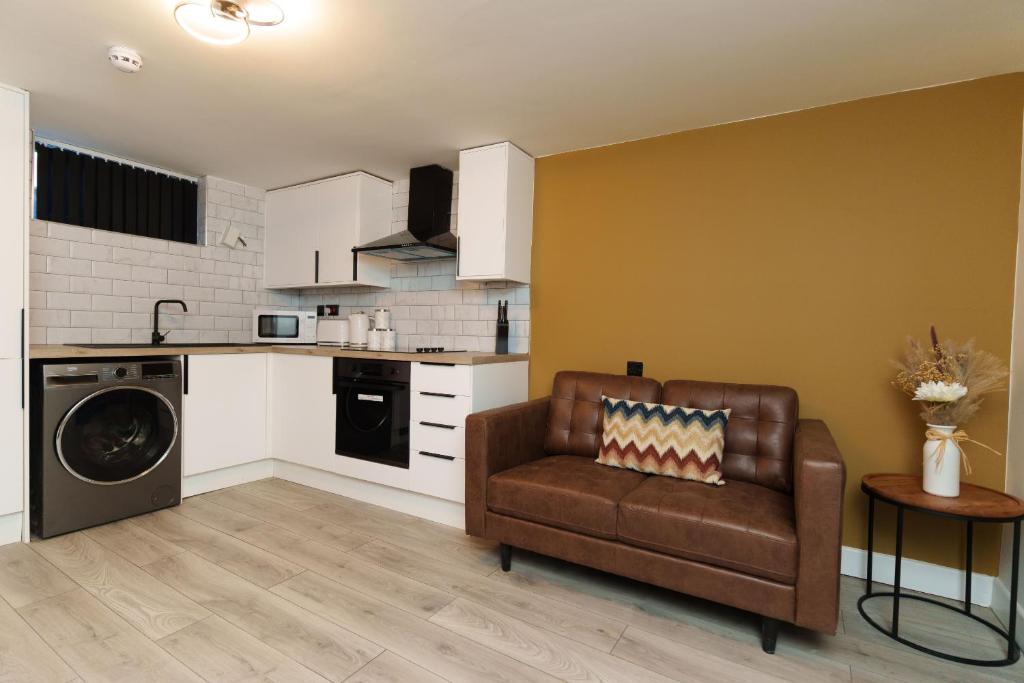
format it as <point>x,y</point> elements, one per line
<point>157,337</point>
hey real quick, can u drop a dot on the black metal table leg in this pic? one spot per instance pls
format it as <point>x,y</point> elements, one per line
<point>896,578</point>
<point>1012,651</point>
<point>871,540</point>
<point>970,566</point>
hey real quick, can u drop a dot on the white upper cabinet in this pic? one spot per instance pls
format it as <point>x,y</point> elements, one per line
<point>495,226</point>
<point>312,228</point>
<point>14,171</point>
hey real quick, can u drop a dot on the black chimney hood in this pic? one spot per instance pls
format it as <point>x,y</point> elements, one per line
<point>429,235</point>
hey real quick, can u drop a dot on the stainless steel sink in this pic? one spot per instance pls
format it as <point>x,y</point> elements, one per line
<point>165,345</point>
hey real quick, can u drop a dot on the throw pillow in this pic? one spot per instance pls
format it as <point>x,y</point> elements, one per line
<point>672,441</point>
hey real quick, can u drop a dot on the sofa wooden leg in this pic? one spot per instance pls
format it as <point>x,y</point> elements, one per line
<point>769,634</point>
<point>506,557</point>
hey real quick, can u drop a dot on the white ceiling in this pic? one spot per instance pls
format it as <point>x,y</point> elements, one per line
<point>383,85</point>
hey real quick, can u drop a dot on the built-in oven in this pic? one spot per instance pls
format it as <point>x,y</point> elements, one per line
<point>372,421</point>
<point>283,327</point>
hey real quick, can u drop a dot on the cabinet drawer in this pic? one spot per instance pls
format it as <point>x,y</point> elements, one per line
<point>438,477</point>
<point>445,379</point>
<point>438,440</point>
<point>446,410</point>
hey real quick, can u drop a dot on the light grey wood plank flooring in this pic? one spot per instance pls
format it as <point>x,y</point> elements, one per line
<point>273,581</point>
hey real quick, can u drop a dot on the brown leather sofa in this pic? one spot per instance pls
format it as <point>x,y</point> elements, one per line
<point>767,542</point>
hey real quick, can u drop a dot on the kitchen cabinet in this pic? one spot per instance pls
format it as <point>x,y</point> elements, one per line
<point>495,217</point>
<point>225,411</point>
<point>311,229</point>
<point>302,409</point>
<point>12,428</point>
<point>442,396</point>
<point>15,171</point>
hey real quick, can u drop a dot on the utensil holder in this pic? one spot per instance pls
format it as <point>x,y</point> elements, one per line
<point>501,339</point>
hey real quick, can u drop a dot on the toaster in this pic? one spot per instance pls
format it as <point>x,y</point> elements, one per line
<point>332,332</point>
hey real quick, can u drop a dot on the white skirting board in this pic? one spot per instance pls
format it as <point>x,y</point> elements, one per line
<point>229,476</point>
<point>920,576</point>
<point>10,528</point>
<point>1001,606</point>
<point>435,509</point>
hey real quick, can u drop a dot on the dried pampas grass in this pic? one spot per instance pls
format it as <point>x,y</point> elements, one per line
<point>950,362</point>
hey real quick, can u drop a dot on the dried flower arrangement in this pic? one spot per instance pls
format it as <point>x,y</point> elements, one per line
<point>949,379</point>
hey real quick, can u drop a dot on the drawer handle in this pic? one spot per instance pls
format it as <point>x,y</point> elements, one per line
<point>437,455</point>
<point>446,365</point>
<point>436,424</point>
<point>436,393</point>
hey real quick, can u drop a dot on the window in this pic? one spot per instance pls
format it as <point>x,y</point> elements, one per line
<point>93,192</point>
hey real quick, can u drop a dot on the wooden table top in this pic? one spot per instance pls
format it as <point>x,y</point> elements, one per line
<point>974,502</point>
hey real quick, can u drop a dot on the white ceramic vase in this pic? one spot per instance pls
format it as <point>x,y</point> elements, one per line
<point>942,479</point>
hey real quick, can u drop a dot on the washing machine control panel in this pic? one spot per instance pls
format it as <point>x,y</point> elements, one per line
<point>115,373</point>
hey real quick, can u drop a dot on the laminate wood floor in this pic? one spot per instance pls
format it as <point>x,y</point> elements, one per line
<point>272,581</point>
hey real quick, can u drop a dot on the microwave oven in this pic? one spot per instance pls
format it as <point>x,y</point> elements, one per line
<point>283,327</point>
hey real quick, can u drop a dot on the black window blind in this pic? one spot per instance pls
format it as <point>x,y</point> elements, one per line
<point>98,193</point>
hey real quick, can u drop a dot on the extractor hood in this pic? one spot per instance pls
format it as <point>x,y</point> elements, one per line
<point>429,235</point>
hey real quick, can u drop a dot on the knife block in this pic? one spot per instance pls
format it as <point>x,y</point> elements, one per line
<point>501,339</point>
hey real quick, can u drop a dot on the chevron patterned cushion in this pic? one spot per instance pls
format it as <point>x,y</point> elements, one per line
<point>673,441</point>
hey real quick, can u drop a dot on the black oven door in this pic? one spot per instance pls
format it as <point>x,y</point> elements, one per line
<point>372,421</point>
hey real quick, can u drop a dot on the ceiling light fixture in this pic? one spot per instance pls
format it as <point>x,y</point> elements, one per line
<point>225,22</point>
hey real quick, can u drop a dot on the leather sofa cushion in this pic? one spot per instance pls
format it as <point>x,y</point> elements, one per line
<point>740,526</point>
<point>575,415</point>
<point>566,491</point>
<point>760,432</point>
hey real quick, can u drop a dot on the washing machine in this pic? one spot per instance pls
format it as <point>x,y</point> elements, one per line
<point>105,441</point>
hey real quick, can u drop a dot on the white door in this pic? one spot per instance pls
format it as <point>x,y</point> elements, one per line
<point>225,411</point>
<point>302,409</point>
<point>14,174</point>
<point>483,175</point>
<point>11,423</point>
<point>290,249</point>
<point>338,223</point>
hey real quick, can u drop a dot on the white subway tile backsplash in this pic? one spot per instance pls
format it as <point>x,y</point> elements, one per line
<point>130,288</point>
<point>49,246</point>
<point>69,302</point>
<point>114,271</point>
<point>91,252</point>
<point>99,319</point>
<point>90,285</point>
<point>147,274</point>
<point>67,266</point>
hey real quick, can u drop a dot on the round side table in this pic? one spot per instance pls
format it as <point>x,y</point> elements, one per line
<point>975,504</point>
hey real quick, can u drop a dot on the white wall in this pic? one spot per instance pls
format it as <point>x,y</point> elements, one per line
<point>1015,431</point>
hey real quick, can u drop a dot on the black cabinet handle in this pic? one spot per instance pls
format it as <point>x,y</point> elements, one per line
<point>427,362</point>
<point>435,393</point>
<point>184,374</point>
<point>436,424</point>
<point>437,455</point>
<point>316,266</point>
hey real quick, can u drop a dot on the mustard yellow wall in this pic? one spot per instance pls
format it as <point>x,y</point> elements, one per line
<point>800,250</point>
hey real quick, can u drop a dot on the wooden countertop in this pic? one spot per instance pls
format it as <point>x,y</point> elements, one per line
<point>57,351</point>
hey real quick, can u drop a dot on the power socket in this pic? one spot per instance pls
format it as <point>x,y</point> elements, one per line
<point>635,368</point>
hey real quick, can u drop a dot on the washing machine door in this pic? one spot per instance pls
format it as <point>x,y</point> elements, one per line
<point>116,434</point>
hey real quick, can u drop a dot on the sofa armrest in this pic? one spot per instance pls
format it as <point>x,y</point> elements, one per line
<point>819,476</point>
<point>497,440</point>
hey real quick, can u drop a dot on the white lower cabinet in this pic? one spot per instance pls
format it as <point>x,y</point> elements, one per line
<point>442,396</point>
<point>302,409</point>
<point>11,426</point>
<point>225,411</point>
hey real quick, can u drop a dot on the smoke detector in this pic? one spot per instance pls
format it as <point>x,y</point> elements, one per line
<point>125,59</point>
